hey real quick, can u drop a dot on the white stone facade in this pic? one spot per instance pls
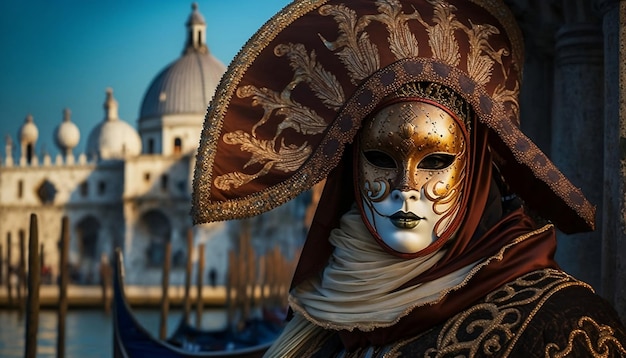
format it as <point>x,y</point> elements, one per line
<point>132,189</point>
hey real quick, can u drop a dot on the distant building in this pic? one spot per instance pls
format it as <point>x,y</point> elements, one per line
<point>132,188</point>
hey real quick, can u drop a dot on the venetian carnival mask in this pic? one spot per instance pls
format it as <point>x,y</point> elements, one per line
<point>412,161</point>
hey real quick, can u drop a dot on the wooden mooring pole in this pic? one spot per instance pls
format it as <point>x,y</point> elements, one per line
<point>42,261</point>
<point>199,284</point>
<point>21,281</point>
<point>188,270</point>
<point>64,246</point>
<point>165,297</point>
<point>105,282</point>
<point>10,272</point>
<point>231,289</point>
<point>34,273</point>
<point>1,265</point>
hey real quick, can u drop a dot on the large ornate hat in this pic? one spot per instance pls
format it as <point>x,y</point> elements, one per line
<point>296,94</point>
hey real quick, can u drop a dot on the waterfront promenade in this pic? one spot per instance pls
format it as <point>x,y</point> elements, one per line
<point>81,296</point>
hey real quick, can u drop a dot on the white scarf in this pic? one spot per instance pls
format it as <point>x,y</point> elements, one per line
<point>359,286</point>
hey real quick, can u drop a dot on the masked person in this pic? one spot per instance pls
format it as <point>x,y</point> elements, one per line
<point>435,233</point>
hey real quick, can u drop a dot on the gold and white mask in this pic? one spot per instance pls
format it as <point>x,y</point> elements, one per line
<point>412,164</point>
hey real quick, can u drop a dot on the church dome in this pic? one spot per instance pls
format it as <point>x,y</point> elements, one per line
<point>67,134</point>
<point>186,85</point>
<point>28,131</point>
<point>113,138</point>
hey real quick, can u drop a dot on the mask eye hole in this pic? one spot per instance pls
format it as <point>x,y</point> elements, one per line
<point>436,161</point>
<point>380,159</point>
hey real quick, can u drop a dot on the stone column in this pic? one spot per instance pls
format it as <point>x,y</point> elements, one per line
<point>539,23</point>
<point>614,199</point>
<point>577,130</point>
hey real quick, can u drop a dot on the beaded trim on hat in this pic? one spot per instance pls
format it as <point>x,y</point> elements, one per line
<point>437,93</point>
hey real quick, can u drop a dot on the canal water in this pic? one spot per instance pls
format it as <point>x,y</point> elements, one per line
<point>89,333</point>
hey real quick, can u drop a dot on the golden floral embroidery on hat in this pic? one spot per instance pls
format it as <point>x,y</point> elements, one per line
<point>361,59</point>
<point>297,92</point>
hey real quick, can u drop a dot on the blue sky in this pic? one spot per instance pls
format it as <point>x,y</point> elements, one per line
<point>65,53</point>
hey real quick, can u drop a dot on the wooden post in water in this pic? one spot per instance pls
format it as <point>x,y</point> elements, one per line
<point>165,297</point>
<point>42,262</point>
<point>21,282</point>
<point>34,273</point>
<point>105,282</point>
<point>271,277</point>
<point>231,289</point>
<point>199,284</point>
<point>262,277</point>
<point>243,297</point>
<point>268,278</point>
<point>275,276</point>
<point>10,272</point>
<point>188,270</point>
<point>1,265</point>
<point>250,262</point>
<point>64,275</point>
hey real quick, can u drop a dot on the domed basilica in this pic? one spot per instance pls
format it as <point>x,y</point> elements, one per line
<point>132,187</point>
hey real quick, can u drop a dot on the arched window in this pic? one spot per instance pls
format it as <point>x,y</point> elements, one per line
<point>88,234</point>
<point>84,189</point>
<point>20,189</point>
<point>88,230</point>
<point>178,145</point>
<point>164,182</point>
<point>155,227</point>
<point>102,187</point>
<point>30,151</point>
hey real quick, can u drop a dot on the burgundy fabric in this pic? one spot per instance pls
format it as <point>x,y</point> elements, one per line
<point>534,253</point>
<point>336,200</point>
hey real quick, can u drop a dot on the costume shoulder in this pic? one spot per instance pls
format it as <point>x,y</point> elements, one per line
<point>545,313</point>
<point>573,322</point>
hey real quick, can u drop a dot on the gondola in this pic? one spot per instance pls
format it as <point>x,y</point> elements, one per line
<point>255,332</point>
<point>132,340</point>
